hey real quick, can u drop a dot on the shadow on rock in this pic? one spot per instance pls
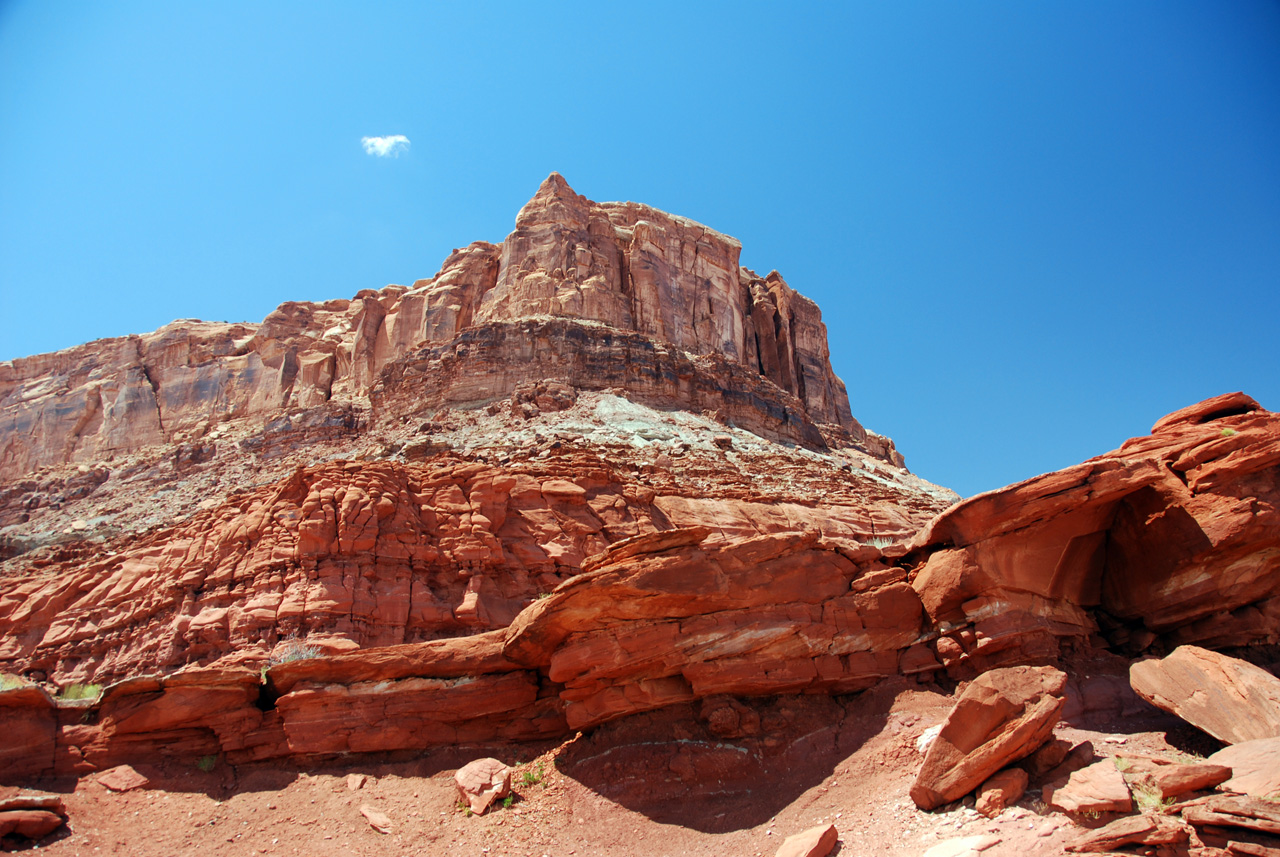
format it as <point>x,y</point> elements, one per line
<point>724,763</point>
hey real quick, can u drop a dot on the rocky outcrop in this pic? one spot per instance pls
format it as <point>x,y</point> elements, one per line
<point>368,554</point>
<point>647,603</point>
<point>575,289</point>
<point>458,600</point>
<point>1173,538</point>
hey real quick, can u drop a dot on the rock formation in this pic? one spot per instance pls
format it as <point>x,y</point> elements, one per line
<point>598,295</point>
<point>651,604</point>
<point>592,481</point>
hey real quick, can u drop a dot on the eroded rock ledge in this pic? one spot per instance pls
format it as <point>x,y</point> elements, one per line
<point>1020,575</point>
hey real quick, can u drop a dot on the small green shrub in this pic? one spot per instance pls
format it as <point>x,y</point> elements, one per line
<point>8,682</point>
<point>1228,432</point>
<point>207,763</point>
<point>1122,765</point>
<point>81,691</point>
<point>1148,798</point>
<point>294,650</point>
<point>533,776</point>
<point>507,801</point>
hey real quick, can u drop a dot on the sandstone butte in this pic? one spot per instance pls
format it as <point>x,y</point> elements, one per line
<point>595,471</point>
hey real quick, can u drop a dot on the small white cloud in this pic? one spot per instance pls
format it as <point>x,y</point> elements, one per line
<point>383,147</point>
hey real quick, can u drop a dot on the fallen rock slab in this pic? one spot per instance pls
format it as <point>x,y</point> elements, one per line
<point>1231,699</point>
<point>482,782</point>
<point>1250,849</point>
<point>1135,830</point>
<point>29,823</point>
<point>123,778</point>
<point>1246,813</point>
<point>814,842</point>
<point>1002,716</point>
<point>1001,791</point>
<point>1097,788</point>
<point>51,803</point>
<point>1052,754</point>
<point>1176,780</point>
<point>1169,779</point>
<point>1255,767</point>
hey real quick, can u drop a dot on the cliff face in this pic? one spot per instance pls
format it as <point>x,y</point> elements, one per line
<point>459,601</point>
<point>669,295</point>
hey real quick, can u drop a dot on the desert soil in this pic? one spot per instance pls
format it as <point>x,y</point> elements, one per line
<point>561,807</point>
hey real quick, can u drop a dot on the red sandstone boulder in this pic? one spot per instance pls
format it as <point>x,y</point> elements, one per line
<point>1001,717</point>
<point>1001,791</point>
<point>482,782</point>
<point>1231,699</point>
<point>1137,830</point>
<point>814,842</point>
<point>29,823</point>
<point>123,778</point>
<point>1255,767</point>
<point>1098,788</point>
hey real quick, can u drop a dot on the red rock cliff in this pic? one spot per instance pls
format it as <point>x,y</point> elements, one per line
<point>599,295</point>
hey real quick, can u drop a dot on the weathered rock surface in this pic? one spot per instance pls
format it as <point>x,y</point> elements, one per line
<point>1004,715</point>
<point>1255,767</point>
<point>482,782</point>
<point>29,823</point>
<point>1135,830</point>
<point>814,842</point>
<point>1245,813</point>
<point>1173,538</point>
<point>377,820</point>
<point>1169,779</point>
<point>359,554</point>
<point>418,586</point>
<point>1098,788</point>
<point>1001,791</point>
<point>123,778</point>
<point>1231,699</point>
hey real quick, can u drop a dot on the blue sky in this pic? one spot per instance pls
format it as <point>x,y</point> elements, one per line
<point>1033,228</point>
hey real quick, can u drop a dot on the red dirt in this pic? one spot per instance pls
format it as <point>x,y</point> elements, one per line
<point>848,761</point>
